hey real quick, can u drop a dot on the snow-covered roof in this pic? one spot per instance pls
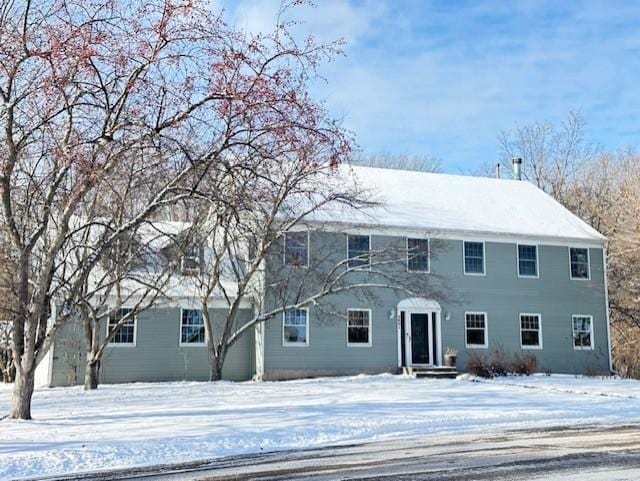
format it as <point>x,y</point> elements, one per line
<point>463,204</point>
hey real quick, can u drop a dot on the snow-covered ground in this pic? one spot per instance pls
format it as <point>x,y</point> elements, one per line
<point>141,424</point>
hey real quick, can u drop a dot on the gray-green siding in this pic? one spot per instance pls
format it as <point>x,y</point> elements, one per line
<point>500,293</point>
<point>157,355</point>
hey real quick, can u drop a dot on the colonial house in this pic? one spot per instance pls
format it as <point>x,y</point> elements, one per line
<point>493,264</point>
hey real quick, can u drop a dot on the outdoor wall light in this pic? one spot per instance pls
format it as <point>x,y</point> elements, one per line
<point>447,316</point>
<point>392,314</point>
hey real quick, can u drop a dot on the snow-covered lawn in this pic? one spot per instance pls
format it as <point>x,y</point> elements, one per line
<point>140,424</point>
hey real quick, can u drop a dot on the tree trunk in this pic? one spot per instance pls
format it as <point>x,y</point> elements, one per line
<point>215,368</point>
<point>91,375</point>
<point>22,393</point>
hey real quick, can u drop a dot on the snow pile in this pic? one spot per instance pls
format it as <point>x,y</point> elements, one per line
<point>150,423</point>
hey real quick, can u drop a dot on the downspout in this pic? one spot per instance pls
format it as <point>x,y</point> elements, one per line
<point>606,301</point>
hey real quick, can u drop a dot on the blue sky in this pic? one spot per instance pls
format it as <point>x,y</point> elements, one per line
<point>443,78</point>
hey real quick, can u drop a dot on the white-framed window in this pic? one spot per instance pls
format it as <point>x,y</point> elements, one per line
<point>358,250</point>
<point>295,327</point>
<point>582,327</point>
<point>579,261</point>
<point>530,331</point>
<point>418,255</point>
<point>296,248</point>
<point>474,261</point>
<point>192,328</point>
<point>125,334</point>
<point>358,327</point>
<point>476,335</point>
<point>190,261</point>
<point>527,260</point>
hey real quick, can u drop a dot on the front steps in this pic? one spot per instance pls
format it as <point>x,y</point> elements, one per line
<point>437,372</point>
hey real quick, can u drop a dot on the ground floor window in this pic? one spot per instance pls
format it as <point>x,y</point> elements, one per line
<point>582,332</point>
<point>476,329</point>
<point>359,327</point>
<point>530,331</point>
<point>192,327</point>
<point>126,332</point>
<point>295,328</point>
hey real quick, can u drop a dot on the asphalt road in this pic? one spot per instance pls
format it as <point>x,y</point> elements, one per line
<point>569,454</point>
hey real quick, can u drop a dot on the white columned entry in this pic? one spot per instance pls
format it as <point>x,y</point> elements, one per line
<point>419,333</point>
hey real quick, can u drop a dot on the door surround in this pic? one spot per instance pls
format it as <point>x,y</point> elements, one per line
<point>418,305</point>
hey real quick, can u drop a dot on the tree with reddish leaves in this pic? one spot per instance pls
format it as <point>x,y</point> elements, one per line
<point>164,90</point>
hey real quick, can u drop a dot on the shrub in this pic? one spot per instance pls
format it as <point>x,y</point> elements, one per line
<point>477,365</point>
<point>524,364</point>
<point>501,364</point>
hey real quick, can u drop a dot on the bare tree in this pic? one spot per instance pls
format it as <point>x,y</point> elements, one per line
<point>242,247</point>
<point>160,88</point>
<point>552,155</point>
<point>419,163</point>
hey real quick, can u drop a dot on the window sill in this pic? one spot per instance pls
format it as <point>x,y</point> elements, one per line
<point>476,346</point>
<point>193,344</point>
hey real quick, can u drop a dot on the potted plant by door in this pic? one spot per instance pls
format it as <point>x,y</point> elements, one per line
<point>450,356</point>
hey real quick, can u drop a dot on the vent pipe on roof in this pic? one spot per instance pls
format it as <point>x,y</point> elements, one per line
<point>498,170</point>
<point>517,168</point>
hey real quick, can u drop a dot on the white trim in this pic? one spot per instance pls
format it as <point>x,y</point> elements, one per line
<point>135,331</point>
<point>540,345</point>
<point>189,344</point>
<point>363,267</point>
<point>588,278</point>
<point>418,306</point>
<point>284,250</point>
<point>306,337</point>
<point>455,234</point>
<point>428,271</point>
<point>486,331</point>
<point>573,333</point>
<point>606,305</point>
<point>369,330</point>
<point>484,259</point>
<point>537,276</point>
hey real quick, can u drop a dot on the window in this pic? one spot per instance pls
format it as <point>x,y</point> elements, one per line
<point>530,331</point>
<point>358,327</point>
<point>418,255</point>
<point>474,258</point>
<point>126,333</point>
<point>476,329</point>
<point>296,249</point>
<point>527,260</point>
<point>191,260</point>
<point>358,247</point>
<point>582,332</point>
<point>579,262</point>
<point>192,327</point>
<point>295,328</point>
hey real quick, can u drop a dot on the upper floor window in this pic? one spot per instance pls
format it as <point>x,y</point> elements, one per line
<point>476,329</point>
<point>190,262</point>
<point>296,249</point>
<point>358,327</point>
<point>295,327</point>
<point>527,260</point>
<point>474,258</point>
<point>530,331</point>
<point>582,332</point>
<point>126,333</point>
<point>418,255</point>
<point>579,262</point>
<point>358,247</point>
<point>191,327</point>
